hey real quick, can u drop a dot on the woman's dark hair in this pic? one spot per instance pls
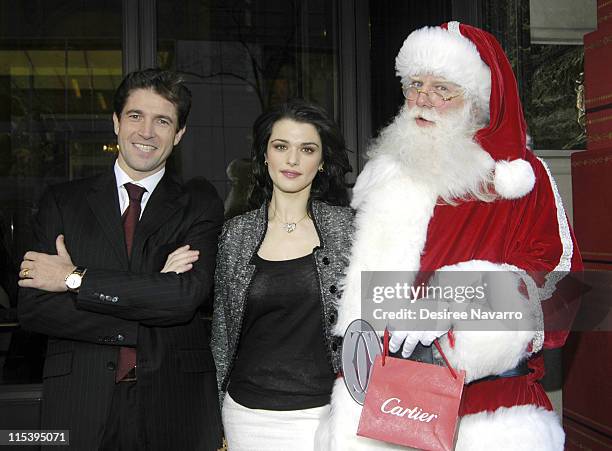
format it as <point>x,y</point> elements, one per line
<point>329,185</point>
<point>165,83</point>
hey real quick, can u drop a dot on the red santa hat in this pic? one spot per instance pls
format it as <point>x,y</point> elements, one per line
<point>473,59</point>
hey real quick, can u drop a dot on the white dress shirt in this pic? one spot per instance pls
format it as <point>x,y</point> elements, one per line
<point>149,183</point>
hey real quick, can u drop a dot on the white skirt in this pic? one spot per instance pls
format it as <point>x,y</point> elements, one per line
<point>270,430</point>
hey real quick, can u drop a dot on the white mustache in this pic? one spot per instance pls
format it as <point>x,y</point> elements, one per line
<point>425,113</point>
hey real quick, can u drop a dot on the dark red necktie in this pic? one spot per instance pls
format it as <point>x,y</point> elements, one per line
<point>127,356</point>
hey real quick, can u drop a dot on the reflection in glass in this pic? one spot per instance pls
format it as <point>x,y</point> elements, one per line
<point>551,113</point>
<point>60,62</point>
<point>242,57</point>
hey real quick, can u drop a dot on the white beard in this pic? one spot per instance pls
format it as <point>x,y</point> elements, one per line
<point>410,170</point>
<point>443,157</point>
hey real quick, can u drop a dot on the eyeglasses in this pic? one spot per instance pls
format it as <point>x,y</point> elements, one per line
<point>434,98</point>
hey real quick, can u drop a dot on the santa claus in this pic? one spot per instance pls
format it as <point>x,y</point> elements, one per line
<point>451,185</point>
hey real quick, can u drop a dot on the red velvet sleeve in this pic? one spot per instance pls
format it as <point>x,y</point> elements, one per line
<point>542,242</point>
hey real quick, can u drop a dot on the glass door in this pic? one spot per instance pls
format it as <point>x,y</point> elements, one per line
<point>60,62</point>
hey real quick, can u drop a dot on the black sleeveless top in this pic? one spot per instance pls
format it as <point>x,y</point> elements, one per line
<point>281,362</point>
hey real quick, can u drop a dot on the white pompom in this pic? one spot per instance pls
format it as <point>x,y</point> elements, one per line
<point>513,179</point>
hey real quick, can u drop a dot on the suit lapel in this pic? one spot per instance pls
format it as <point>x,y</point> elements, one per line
<point>104,203</point>
<point>165,201</point>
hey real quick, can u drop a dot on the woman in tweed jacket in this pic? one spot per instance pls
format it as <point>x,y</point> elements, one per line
<point>277,283</point>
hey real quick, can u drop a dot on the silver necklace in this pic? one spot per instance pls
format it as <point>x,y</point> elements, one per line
<point>289,226</point>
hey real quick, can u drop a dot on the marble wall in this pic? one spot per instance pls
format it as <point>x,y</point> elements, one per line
<point>546,65</point>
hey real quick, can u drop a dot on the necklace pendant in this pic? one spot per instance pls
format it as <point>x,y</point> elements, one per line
<point>289,226</point>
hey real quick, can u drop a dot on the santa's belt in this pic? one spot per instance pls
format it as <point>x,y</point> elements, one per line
<point>522,369</point>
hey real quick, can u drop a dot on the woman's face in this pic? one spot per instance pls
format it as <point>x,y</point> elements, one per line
<point>294,155</point>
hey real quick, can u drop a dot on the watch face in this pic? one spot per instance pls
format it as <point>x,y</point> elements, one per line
<point>73,281</point>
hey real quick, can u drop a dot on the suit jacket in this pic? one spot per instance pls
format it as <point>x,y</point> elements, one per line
<point>129,302</point>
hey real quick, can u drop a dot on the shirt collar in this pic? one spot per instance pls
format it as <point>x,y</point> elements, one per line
<point>149,183</point>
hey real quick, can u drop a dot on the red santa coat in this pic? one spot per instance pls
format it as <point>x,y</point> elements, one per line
<point>529,234</point>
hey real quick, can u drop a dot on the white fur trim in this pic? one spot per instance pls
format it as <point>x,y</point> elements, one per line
<point>434,50</point>
<point>491,352</point>
<point>565,262</point>
<point>509,429</point>
<point>535,303</point>
<point>453,27</point>
<point>513,179</point>
<point>486,353</point>
<point>380,219</point>
<point>338,431</point>
<point>376,171</point>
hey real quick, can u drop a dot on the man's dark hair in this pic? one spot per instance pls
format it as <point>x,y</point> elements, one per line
<point>328,186</point>
<point>165,83</point>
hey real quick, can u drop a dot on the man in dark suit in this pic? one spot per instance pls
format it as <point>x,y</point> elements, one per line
<point>116,287</point>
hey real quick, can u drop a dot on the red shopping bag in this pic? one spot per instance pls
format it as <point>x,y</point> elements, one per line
<point>411,403</point>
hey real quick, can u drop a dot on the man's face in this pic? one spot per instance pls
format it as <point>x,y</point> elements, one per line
<point>429,97</point>
<point>146,132</point>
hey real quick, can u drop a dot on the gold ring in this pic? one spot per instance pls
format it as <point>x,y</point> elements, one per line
<point>25,272</point>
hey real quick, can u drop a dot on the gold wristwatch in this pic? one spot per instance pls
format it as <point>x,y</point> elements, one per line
<point>74,279</point>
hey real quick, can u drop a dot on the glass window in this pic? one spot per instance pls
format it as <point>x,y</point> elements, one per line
<point>242,57</point>
<point>60,62</point>
<point>390,24</point>
<point>551,113</point>
<point>555,79</point>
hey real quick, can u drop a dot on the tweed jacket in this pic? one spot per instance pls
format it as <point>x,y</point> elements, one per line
<point>240,240</point>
